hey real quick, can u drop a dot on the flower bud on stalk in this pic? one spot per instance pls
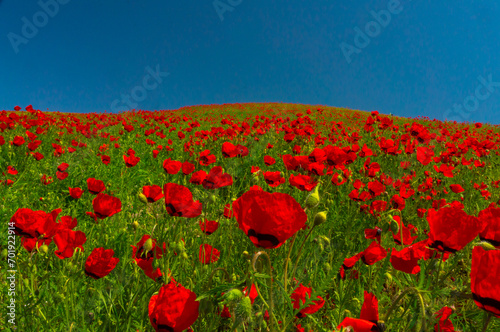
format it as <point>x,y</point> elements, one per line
<point>394,226</point>
<point>487,246</point>
<point>312,199</point>
<point>143,198</point>
<point>319,218</point>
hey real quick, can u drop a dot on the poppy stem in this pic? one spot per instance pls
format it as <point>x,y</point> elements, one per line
<point>300,252</point>
<point>487,321</point>
<point>288,260</point>
<point>271,301</point>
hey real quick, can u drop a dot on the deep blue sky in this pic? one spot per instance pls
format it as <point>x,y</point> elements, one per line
<point>430,55</point>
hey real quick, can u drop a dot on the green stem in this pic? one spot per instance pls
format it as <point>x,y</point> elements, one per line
<point>271,301</point>
<point>288,260</point>
<point>300,252</point>
<point>486,321</point>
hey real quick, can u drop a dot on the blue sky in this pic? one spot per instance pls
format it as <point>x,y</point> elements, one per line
<point>440,60</point>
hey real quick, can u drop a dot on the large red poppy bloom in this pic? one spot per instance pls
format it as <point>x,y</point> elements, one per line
<point>32,224</point>
<point>106,206</point>
<point>174,309</point>
<point>485,279</point>
<point>179,201</point>
<point>451,229</point>
<point>100,263</point>
<point>95,186</point>
<point>268,219</point>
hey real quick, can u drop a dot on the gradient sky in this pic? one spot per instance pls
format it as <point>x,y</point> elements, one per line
<point>430,59</point>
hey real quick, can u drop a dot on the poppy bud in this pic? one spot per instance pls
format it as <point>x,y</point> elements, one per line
<point>388,276</point>
<point>143,198</point>
<point>184,255</point>
<point>255,178</point>
<point>320,218</point>
<point>179,246</point>
<point>43,248</point>
<point>135,225</point>
<point>212,198</point>
<point>385,226</point>
<point>243,310</point>
<point>486,245</point>
<point>233,296</point>
<point>148,245</point>
<point>312,199</point>
<point>394,226</point>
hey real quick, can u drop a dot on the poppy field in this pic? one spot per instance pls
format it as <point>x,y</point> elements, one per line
<point>248,217</point>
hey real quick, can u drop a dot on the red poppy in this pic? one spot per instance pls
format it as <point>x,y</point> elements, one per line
<point>229,150</point>
<point>174,309</point>
<point>106,206</point>
<point>268,160</point>
<point>303,182</point>
<point>131,160</point>
<point>198,177</point>
<point>299,299</point>
<point>33,224</point>
<point>100,263</point>
<point>406,231</point>
<point>368,318</point>
<point>187,168</point>
<point>75,192</point>
<point>105,159</point>
<point>444,324</point>
<point>216,179</point>
<point>228,212</point>
<point>374,253</point>
<point>206,158</point>
<point>172,166</point>
<point>405,260</point>
<point>62,167</point>
<point>18,141</point>
<point>153,193</point>
<point>95,186</point>
<point>208,254</point>
<point>274,179</point>
<point>491,218</point>
<point>253,294</point>
<point>67,241</point>
<point>268,219</point>
<point>179,201</point>
<point>61,175</point>
<point>145,253</point>
<point>373,234</point>
<point>485,279</point>
<point>456,188</point>
<point>208,226</point>
<point>424,155</point>
<point>451,229</point>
